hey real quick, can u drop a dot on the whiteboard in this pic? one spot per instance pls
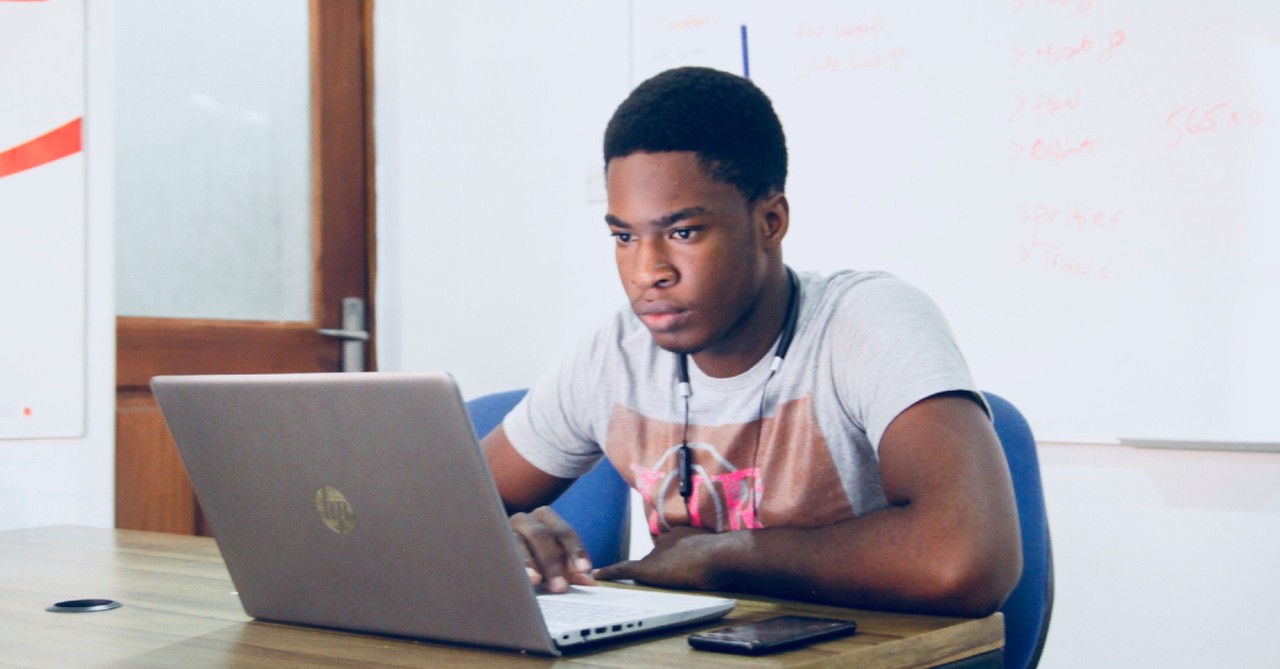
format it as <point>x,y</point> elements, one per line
<point>42,220</point>
<point>1089,189</point>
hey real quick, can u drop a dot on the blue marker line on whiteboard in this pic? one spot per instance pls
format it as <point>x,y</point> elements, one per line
<point>746,62</point>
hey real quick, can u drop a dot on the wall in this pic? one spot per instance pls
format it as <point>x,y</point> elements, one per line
<point>53,481</point>
<point>485,226</point>
<point>493,259</point>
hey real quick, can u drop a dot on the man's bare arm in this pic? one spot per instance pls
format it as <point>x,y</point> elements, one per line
<point>947,543</point>
<point>551,550</point>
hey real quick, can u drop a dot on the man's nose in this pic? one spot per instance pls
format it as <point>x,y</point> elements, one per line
<point>652,267</point>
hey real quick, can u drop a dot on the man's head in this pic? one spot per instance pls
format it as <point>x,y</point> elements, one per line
<point>696,164</point>
<point>723,118</point>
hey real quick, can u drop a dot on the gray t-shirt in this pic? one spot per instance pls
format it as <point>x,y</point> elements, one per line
<point>795,449</point>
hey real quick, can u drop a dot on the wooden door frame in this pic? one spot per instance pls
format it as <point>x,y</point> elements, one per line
<point>152,491</point>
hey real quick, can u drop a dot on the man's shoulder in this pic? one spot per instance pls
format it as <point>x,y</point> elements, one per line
<point>623,327</point>
<point>869,304</point>
<point>846,279</point>
<point>839,290</point>
<point>621,333</point>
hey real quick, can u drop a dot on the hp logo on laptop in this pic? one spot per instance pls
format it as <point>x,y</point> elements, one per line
<point>335,510</point>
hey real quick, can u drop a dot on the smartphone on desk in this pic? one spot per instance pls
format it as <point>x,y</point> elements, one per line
<point>772,634</point>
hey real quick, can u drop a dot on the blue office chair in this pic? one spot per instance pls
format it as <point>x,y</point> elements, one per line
<point>596,505</point>
<point>1027,611</point>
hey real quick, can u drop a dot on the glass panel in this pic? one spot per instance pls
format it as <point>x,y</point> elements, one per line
<point>213,143</point>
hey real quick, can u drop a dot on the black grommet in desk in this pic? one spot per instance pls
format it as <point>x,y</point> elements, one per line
<point>84,606</point>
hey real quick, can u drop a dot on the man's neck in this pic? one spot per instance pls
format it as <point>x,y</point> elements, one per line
<point>752,337</point>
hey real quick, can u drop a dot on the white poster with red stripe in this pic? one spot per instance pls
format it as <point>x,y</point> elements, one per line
<point>42,219</point>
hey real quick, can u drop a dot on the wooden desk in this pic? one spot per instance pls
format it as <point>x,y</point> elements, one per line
<point>179,611</point>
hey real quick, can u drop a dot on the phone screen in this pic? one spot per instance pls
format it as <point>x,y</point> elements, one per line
<point>771,634</point>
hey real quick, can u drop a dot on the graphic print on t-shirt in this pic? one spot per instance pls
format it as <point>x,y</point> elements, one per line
<point>772,472</point>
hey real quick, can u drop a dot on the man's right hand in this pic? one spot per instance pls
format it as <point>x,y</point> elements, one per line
<point>551,550</point>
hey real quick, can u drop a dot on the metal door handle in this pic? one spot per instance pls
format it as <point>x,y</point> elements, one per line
<point>353,334</point>
<point>357,335</point>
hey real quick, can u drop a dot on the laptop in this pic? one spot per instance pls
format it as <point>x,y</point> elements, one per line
<point>363,502</point>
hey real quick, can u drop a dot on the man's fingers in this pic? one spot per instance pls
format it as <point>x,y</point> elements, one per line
<point>582,578</point>
<point>616,571</point>
<point>530,566</point>
<point>575,553</point>
<point>551,549</point>
<point>545,555</point>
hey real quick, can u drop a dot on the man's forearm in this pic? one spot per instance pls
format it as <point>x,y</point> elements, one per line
<point>877,561</point>
<point>947,543</point>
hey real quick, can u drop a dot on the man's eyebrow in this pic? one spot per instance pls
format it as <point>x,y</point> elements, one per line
<point>665,221</point>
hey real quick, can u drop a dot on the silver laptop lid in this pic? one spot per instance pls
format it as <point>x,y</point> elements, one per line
<point>355,501</point>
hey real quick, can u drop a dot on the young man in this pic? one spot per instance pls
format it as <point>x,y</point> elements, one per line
<point>803,436</point>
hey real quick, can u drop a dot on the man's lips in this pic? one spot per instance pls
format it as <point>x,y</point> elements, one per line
<point>660,316</point>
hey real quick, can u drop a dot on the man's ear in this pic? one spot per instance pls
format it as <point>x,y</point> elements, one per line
<point>773,216</point>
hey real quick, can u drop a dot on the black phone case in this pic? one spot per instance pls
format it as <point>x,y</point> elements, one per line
<point>742,643</point>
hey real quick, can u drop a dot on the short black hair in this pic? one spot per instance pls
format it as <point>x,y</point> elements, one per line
<point>723,118</point>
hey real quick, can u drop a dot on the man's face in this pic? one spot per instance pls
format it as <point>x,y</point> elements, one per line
<point>688,250</point>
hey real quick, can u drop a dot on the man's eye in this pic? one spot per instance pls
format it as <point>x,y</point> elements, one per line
<point>682,233</point>
<point>622,237</point>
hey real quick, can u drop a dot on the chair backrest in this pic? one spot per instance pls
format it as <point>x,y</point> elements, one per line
<point>596,505</point>
<point>1027,611</point>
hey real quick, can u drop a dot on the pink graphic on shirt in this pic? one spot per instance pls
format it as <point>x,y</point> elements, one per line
<point>739,496</point>
<point>731,464</point>
<point>734,495</point>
